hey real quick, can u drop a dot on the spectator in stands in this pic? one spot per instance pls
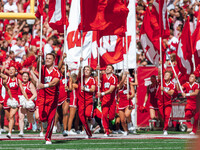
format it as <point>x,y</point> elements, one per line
<point>18,50</point>
<point>10,6</point>
<point>48,47</point>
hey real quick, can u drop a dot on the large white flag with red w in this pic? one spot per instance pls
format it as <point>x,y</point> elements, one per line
<point>184,51</point>
<point>57,15</point>
<point>74,49</point>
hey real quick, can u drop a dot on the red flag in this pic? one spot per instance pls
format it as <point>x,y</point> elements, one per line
<point>111,50</point>
<point>39,12</point>
<point>184,50</point>
<point>196,44</point>
<point>103,15</point>
<point>159,11</point>
<point>57,15</point>
<point>150,40</point>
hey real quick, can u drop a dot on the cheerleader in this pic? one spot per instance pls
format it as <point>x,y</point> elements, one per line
<point>11,105</point>
<point>27,106</point>
<point>125,103</point>
<point>63,99</point>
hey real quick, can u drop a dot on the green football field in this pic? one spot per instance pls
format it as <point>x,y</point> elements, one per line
<point>144,140</point>
<point>92,144</point>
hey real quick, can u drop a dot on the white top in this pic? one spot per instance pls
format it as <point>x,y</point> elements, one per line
<point>8,7</point>
<point>47,49</point>
<point>16,49</point>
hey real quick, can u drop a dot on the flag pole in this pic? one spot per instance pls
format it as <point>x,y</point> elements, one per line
<point>175,74</point>
<point>81,61</point>
<point>127,66</point>
<point>65,52</point>
<point>40,58</point>
<point>161,70</point>
<point>98,57</point>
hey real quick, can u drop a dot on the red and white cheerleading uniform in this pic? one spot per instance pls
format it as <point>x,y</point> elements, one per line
<point>108,104</point>
<point>1,85</point>
<point>28,92</point>
<point>14,88</point>
<point>85,102</point>
<point>190,109</point>
<point>47,101</point>
<point>73,98</point>
<point>152,96</point>
<point>123,101</point>
<point>165,102</point>
<point>63,94</point>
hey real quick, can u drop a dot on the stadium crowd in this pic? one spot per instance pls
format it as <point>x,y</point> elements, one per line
<point>78,110</point>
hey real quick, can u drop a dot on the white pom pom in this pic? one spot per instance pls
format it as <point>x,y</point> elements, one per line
<point>12,103</point>
<point>30,104</point>
<point>22,101</point>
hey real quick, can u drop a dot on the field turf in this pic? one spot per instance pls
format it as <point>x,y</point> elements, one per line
<point>119,143</point>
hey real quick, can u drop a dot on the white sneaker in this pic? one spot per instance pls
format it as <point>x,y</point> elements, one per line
<point>65,133</point>
<point>78,132</point>
<point>54,129</point>
<point>106,135</point>
<point>120,131</point>
<point>130,127</point>
<point>125,133</point>
<point>41,134</point>
<point>9,135</point>
<point>71,132</point>
<point>82,132</point>
<point>48,142</point>
<point>88,137</point>
<point>165,132</point>
<point>3,130</point>
<point>21,134</point>
<point>114,132</point>
<point>97,129</point>
<point>192,133</point>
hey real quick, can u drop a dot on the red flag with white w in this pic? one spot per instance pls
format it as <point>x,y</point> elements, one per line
<point>111,49</point>
<point>184,50</point>
<point>39,12</point>
<point>150,40</point>
<point>159,11</point>
<point>196,44</point>
<point>57,15</point>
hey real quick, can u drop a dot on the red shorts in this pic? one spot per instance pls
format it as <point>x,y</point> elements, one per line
<point>73,100</point>
<point>5,106</point>
<point>153,104</point>
<point>125,103</point>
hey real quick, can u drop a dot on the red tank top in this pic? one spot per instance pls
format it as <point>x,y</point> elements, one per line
<point>13,86</point>
<point>27,89</point>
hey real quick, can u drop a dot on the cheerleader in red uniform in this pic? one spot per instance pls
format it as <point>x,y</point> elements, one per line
<point>27,106</point>
<point>63,99</point>
<point>73,106</point>
<point>125,103</point>
<point>150,95</point>
<point>11,105</point>
<point>3,83</point>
